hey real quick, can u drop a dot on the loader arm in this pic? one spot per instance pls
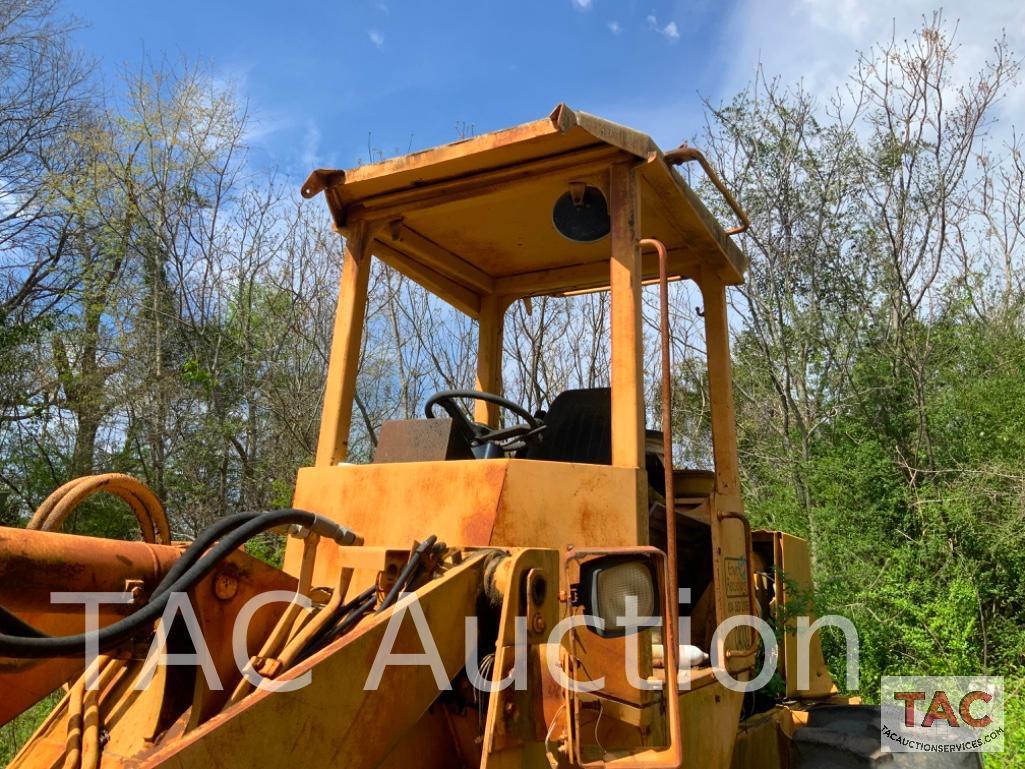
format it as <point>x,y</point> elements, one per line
<point>35,564</point>
<point>335,720</point>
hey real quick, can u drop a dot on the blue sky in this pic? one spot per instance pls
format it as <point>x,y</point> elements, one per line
<point>322,77</point>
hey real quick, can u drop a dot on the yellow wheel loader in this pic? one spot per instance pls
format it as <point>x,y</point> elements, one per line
<point>497,588</point>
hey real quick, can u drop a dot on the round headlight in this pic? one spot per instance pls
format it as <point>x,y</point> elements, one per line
<point>608,587</point>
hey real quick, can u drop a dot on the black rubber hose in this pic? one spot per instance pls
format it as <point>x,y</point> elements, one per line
<point>350,621</point>
<point>13,625</point>
<point>10,623</point>
<point>354,611</point>
<point>348,606</point>
<point>345,624</point>
<point>199,545</point>
<point>51,646</point>
<point>407,572</point>
<point>324,637</point>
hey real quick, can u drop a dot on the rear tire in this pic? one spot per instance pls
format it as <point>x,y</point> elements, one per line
<point>847,737</point>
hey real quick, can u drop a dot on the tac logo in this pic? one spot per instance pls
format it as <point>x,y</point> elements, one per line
<point>940,709</point>
<point>949,714</point>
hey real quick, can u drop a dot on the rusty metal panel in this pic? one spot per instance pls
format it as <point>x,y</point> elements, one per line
<point>709,715</point>
<point>472,219</point>
<point>35,563</point>
<point>419,440</point>
<point>762,741</point>
<point>562,131</point>
<point>472,503</point>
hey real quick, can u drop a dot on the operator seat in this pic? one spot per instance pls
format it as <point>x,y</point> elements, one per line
<point>578,428</point>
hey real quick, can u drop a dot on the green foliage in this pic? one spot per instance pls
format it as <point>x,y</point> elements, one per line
<point>929,572</point>
<point>14,733</point>
<point>878,364</point>
<point>269,548</point>
<point>1013,756</point>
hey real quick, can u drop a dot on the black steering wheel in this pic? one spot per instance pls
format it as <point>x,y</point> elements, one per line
<point>477,434</point>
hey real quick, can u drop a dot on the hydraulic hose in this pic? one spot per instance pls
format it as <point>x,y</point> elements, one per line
<point>10,623</point>
<point>357,607</point>
<point>200,545</point>
<point>406,575</point>
<point>117,632</point>
<point>347,622</point>
<point>137,495</point>
<point>349,615</point>
<point>13,625</point>
<point>84,707</point>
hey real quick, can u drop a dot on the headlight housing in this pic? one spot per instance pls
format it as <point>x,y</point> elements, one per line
<point>605,585</point>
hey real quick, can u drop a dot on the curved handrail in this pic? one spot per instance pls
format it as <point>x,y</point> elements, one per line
<point>685,154</point>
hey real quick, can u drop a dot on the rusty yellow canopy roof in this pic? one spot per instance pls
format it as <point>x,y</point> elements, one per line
<point>474,217</point>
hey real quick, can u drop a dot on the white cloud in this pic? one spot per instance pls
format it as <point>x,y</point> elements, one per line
<point>669,31</point>
<point>583,5</point>
<point>818,41</point>
<point>311,146</point>
<point>614,27</point>
<point>376,38</point>
<point>11,204</point>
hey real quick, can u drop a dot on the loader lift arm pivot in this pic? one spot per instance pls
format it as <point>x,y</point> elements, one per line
<point>335,720</point>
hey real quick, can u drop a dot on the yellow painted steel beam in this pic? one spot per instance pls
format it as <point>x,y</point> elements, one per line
<point>334,721</point>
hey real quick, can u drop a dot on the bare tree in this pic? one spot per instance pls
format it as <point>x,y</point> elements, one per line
<point>924,130</point>
<point>43,100</point>
<point>991,254</point>
<point>801,308</point>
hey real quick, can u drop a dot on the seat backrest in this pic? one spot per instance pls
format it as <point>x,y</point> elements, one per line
<point>579,428</point>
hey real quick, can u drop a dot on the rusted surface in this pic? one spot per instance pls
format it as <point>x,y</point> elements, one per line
<point>754,643</point>
<point>34,564</point>
<point>685,154</point>
<point>131,721</point>
<point>500,502</point>
<point>217,614</point>
<point>666,380</point>
<point>335,721</point>
<point>419,440</point>
<point>147,508</point>
<point>474,216</point>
